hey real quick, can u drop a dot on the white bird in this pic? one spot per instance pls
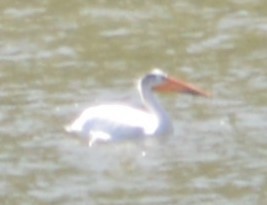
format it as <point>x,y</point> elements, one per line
<point>118,122</point>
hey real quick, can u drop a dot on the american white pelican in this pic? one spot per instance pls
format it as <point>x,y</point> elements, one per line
<point>116,122</point>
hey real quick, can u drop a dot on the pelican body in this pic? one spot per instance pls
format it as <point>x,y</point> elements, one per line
<point>118,122</point>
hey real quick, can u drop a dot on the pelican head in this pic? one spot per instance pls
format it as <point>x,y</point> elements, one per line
<point>159,81</point>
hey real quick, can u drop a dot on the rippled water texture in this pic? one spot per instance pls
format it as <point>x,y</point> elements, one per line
<point>58,57</point>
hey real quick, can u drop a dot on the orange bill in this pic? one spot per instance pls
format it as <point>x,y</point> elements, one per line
<point>173,85</point>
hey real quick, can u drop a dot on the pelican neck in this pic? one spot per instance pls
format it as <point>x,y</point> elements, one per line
<point>152,103</point>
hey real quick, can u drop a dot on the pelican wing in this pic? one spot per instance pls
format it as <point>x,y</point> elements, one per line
<point>118,122</point>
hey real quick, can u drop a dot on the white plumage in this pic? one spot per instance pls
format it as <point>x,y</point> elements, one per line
<point>117,122</point>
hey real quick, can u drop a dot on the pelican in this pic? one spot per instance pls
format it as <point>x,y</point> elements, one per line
<point>119,122</point>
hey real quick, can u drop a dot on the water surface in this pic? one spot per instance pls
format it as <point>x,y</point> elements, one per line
<point>56,58</point>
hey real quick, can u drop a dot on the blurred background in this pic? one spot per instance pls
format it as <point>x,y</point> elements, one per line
<point>58,57</point>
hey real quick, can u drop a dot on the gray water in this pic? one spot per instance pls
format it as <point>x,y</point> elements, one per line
<point>58,57</point>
